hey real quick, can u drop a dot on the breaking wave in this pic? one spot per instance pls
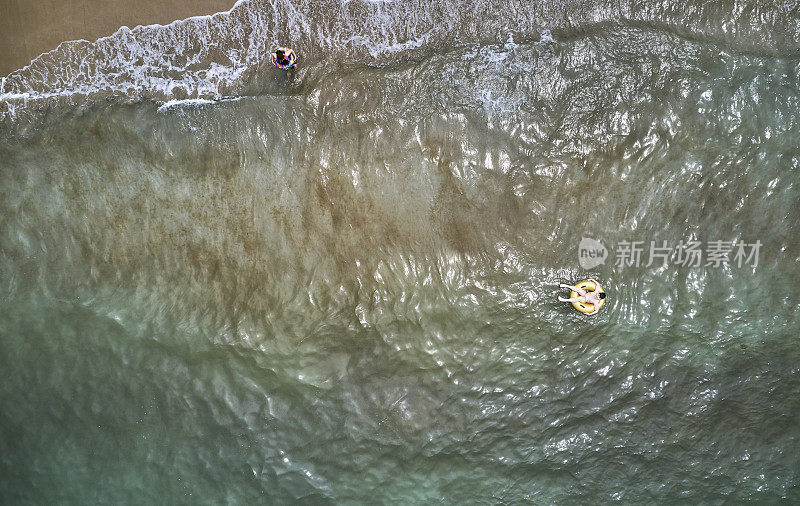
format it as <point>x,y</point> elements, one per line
<point>226,54</point>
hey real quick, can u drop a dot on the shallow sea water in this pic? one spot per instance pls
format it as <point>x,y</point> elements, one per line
<point>340,286</point>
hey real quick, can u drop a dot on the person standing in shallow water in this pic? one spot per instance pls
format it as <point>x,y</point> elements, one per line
<point>284,58</point>
<point>585,297</point>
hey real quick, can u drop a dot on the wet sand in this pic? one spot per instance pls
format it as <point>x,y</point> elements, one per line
<point>28,29</point>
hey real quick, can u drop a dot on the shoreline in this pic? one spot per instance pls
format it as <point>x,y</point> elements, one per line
<point>30,30</point>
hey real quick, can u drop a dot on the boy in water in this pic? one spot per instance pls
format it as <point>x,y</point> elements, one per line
<point>283,58</point>
<point>585,297</point>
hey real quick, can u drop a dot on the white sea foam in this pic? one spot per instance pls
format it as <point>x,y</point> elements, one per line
<point>172,104</point>
<point>209,57</point>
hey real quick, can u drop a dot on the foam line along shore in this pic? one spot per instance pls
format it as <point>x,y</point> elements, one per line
<point>28,30</point>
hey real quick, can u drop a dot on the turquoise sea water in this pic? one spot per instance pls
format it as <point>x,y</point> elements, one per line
<point>340,286</point>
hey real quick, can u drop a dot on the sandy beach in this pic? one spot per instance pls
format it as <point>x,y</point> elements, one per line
<point>28,29</point>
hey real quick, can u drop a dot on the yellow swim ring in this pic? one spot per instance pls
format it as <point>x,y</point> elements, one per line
<point>588,286</point>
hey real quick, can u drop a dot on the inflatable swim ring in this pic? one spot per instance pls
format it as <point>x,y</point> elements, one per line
<point>587,286</point>
<point>291,57</point>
